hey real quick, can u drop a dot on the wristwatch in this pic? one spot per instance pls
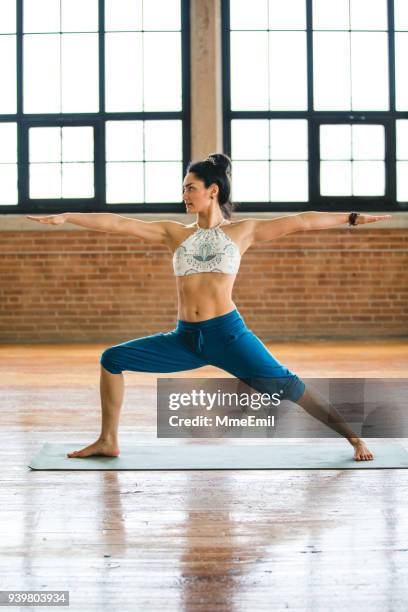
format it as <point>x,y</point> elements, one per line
<point>352,220</point>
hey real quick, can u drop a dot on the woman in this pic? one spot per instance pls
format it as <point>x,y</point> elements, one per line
<point>206,259</point>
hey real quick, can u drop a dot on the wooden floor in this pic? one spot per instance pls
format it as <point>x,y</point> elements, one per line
<point>203,541</point>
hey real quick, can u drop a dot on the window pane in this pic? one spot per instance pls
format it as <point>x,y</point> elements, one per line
<point>8,17</point>
<point>250,181</point>
<point>401,71</point>
<point>333,15</point>
<point>369,71</point>
<point>335,178</point>
<point>243,19</point>
<point>288,139</point>
<point>401,14</point>
<point>163,181</point>
<point>161,15</point>
<point>8,143</point>
<point>289,182</point>
<point>79,56</point>
<point>368,14</point>
<point>8,182</point>
<point>77,180</point>
<point>61,180</point>
<point>288,71</point>
<point>368,178</point>
<point>357,142</point>
<point>331,74</point>
<point>124,182</point>
<point>123,14</point>
<point>45,180</point>
<point>402,181</point>
<point>79,15</point>
<point>77,144</point>
<point>162,71</point>
<point>124,72</point>
<point>45,20</point>
<point>44,144</point>
<point>67,180</point>
<point>249,139</point>
<point>369,58</point>
<point>335,142</point>
<point>288,15</point>
<point>402,138</point>
<point>42,73</point>
<point>124,140</point>
<point>368,142</point>
<point>249,70</point>
<point>8,97</point>
<point>8,163</point>
<point>163,140</point>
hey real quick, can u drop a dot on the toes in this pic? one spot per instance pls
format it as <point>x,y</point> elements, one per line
<point>364,458</point>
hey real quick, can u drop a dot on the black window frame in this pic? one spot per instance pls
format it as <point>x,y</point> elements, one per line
<point>97,120</point>
<point>388,202</point>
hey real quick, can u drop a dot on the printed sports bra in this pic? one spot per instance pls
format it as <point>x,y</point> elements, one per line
<point>207,250</point>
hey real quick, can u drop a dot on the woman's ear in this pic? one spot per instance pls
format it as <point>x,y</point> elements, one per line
<point>214,190</point>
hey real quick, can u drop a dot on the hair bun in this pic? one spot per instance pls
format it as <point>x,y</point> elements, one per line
<point>220,161</point>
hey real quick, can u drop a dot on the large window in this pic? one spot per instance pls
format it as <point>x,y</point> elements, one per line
<point>94,109</point>
<point>316,103</point>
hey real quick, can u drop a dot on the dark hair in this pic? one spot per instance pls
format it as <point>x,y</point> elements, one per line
<point>216,169</point>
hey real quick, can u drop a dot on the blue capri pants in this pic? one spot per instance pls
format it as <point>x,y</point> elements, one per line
<point>224,342</point>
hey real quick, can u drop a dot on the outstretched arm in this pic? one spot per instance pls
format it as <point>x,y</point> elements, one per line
<point>313,220</point>
<point>261,230</point>
<point>152,231</point>
<point>100,222</point>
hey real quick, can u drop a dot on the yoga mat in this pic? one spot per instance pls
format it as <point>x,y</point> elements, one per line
<point>298,456</point>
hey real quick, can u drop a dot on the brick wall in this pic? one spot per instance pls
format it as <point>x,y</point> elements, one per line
<point>79,286</point>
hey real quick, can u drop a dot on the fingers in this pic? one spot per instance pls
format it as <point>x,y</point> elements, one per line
<point>38,219</point>
<point>373,218</point>
<point>381,217</point>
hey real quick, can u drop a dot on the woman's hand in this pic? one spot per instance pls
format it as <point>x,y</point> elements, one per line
<point>51,219</point>
<point>361,219</point>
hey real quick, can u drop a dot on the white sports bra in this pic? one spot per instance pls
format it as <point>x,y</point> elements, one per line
<point>207,250</point>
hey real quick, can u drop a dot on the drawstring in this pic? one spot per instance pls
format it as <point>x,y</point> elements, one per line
<point>200,340</point>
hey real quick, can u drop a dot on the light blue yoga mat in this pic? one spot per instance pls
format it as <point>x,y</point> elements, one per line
<point>294,456</point>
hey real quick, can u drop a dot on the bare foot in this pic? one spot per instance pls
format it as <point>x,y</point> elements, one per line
<point>100,447</point>
<point>361,452</point>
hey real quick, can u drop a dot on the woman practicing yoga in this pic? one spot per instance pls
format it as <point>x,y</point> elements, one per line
<point>210,330</point>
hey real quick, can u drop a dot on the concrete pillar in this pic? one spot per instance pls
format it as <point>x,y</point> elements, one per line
<point>206,90</point>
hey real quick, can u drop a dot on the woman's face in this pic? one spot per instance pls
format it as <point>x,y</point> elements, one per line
<point>196,196</point>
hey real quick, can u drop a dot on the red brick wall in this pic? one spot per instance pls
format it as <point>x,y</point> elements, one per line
<point>78,286</point>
